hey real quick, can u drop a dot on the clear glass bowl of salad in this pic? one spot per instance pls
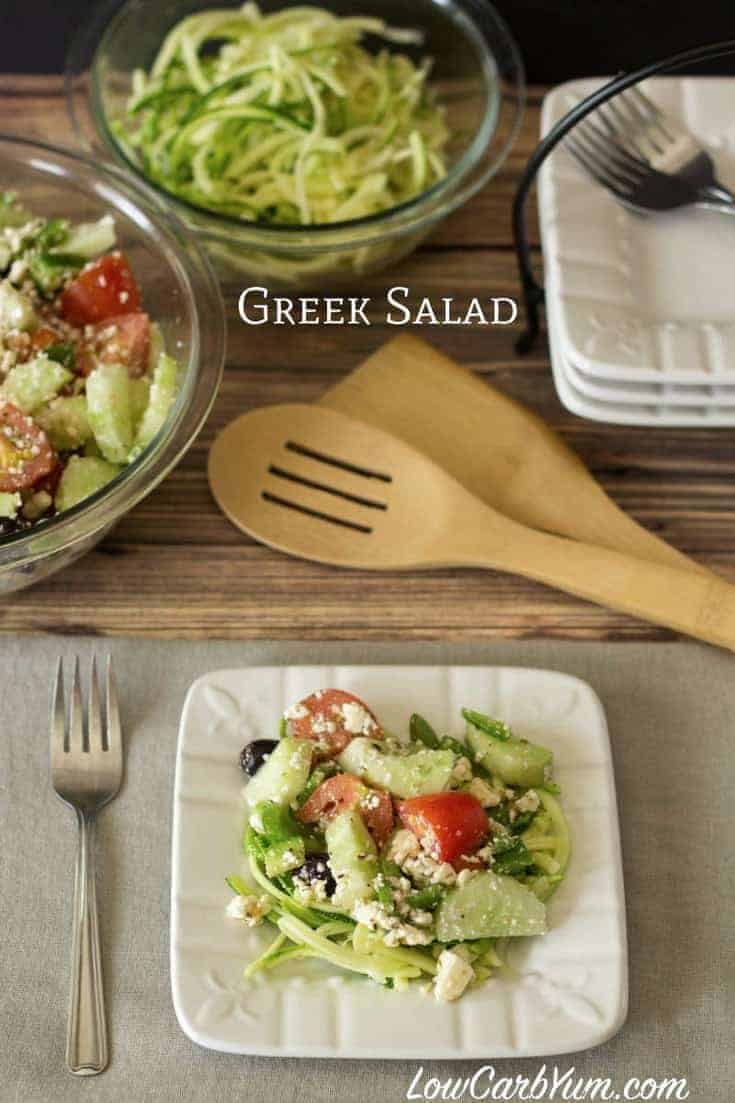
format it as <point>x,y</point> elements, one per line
<point>112,340</point>
<point>304,145</point>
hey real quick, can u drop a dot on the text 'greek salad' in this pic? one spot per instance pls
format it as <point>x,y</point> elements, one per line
<point>85,383</point>
<point>398,858</point>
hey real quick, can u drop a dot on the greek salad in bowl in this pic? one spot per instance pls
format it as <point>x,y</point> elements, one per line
<point>85,381</point>
<point>401,858</point>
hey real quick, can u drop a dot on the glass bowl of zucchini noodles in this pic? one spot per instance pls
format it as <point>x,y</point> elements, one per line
<point>306,146</point>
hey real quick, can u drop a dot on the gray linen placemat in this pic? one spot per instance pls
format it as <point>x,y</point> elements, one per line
<point>671,709</point>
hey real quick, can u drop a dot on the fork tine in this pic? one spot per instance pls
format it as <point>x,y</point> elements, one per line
<point>598,167</point>
<point>112,714</point>
<point>632,130</point>
<point>76,713</point>
<point>644,103</point>
<point>58,723</point>
<point>593,170</point>
<point>623,161</point>
<point>656,116</point>
<point>94,712</point>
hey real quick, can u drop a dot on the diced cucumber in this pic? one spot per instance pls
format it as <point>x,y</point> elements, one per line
<point>109,411</point>
<point>65,423</point>
<point>91,448</point>
<point>88,240</point>
<point>164,386</point>
<point>489,906</point>
<point>515,761</point>
<point>283,774</point>
<point>284,856</point>
<point>412,775</point>
<point>31,385</point>
<point>16,309</point>
<point>156,346</point>
<point>9,504</point>
<point>140,393</point>
<point>353,859</point>
<point>83,475</point>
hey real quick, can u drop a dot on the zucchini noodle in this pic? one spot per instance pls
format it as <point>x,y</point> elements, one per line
<point>286,119</point>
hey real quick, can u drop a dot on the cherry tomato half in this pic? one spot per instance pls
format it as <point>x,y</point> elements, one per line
<point>102,290</point>
<point>124,340</point>
<point>449,825</point>
<point>343,792</point>
<point>334,718</point>
<point>26,456</point>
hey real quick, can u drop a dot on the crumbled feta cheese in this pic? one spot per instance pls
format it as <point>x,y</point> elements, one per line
<point>321,726</point>
<point>310,892</point>
<point>453,975</point>
<point>398,932</point>
<point>462,770</point>
<point>252,910</point>
<point>356,720</point>
<point>296,712</point>
<point>18,270</point>
<point>529,802</point>
<point>256,822</point>
<point>487,796</point>
<point>486,854</point>
<point>424,868</point>
<point>464,876</point>
<point>403,845</point>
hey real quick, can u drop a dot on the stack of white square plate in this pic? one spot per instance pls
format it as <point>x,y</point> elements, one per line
<point>641,310</point>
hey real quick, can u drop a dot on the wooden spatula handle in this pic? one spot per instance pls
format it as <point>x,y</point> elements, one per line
<point>699,605</point>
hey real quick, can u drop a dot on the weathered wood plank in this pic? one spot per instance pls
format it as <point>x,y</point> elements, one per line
<point>175,567</point>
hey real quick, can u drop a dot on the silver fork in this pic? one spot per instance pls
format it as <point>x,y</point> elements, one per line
<point>86,772</point>
<point>646,159</point>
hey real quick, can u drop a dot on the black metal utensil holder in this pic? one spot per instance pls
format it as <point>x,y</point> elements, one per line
<point>532,290</point>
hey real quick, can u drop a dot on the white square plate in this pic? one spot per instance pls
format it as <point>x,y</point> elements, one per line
<point>644,299</point>
<point>571,989</point>
<point>582,395</point>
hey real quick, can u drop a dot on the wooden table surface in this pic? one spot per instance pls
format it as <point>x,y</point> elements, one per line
<point>174,567</point>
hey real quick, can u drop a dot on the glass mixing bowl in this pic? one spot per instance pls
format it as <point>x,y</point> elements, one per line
<point>479,78</point>
<point>180,292</point>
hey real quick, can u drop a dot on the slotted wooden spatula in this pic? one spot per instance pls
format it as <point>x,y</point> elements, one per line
<point>496,448</point>
<point>323,486</point>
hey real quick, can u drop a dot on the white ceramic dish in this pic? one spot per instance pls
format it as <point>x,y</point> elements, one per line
<point>571,989</point>
<point>652,394</point>
<point>643,299</point>
<point>658,412</point>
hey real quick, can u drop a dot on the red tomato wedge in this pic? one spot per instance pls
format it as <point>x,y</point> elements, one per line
<point>449,825</point>
<point>124,340</point>
<point>333,718</point>
<point>102,290</point>
<point>344,791</point>
<point>26,456</point>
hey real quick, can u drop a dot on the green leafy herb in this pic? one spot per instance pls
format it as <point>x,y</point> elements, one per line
<point>62,354</point>
<point>422,731</point>
<point>426,898</point>
<point>496,729</point>
<point>511,855</point>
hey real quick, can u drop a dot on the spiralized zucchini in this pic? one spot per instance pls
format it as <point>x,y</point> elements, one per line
<point>286,119</point>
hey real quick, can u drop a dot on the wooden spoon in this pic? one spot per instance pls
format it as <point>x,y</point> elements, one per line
<point>320,485</point>
<point>491,444</point>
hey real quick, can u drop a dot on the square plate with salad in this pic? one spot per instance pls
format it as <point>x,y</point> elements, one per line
<point>406,862</point>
